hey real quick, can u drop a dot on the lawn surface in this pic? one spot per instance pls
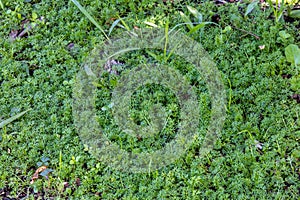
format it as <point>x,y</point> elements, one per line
<point>43,44</point>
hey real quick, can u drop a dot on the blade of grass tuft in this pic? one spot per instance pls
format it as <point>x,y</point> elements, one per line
<point>124,23</point>
<point>167,39</point>
<point>9,120</point>
<point>187,20</point>
<point>85,12</point>
<point>199,26</point>
<point>1,5</point>
<point>113,26</point>
<point>151,24</point>
<point>251,7</point>
<point>195,12</point>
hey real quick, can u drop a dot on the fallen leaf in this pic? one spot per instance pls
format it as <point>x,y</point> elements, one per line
<point>262,47</point>
<point>26,27</point>
<point>66,184</point>
<point>70,46</point>
<point>78,182</point>
<point>287,76</point>
<point>296,97</point>
<point>258,144</point>
<point>13,34</point>
<point>151,24</point>
<point>108,66</point>
<point>36,174</point>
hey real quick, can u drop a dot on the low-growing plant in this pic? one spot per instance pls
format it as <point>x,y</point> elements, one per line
<point>86,13</point>
<point>37,71</point>
<point>292,53</point>
<point>284,6</point>
<point>193,26</point>
<point>278,9</point>
<point>291,12</point>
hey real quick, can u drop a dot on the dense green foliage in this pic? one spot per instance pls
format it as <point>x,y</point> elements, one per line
<point>256,157</point>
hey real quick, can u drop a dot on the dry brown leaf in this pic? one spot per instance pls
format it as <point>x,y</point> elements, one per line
<point>36,173</point>
<point>26,27</point>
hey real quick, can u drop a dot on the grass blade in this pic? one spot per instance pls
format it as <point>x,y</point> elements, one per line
<point>251,7</point>
<point>151,24</point>
<point>167,39</point>
<point>196,28</point>
<point>85,12</point>
<point>124,23</point>
<point>195,12</point>
<point>9,120</point>
<point>1,5</point>
<point>113,26</point>
<point>187,20</point>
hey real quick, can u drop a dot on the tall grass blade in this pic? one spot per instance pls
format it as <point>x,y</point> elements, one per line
<point>151,24</point>
<point>124,23</point>
<point>113,26</point>
<point>167,39</point>
<point>251,7</point>
<point>1,5</point>
<point>187,20</point>
<point>9,120</point>
<point>85,12</point>
<point>199,26</point>
<point>195,12</point>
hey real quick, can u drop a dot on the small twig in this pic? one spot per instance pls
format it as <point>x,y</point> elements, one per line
<point>25,30</point>
<point>249,33</point>
<point>256,36</point>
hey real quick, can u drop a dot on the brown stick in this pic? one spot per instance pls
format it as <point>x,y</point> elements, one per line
<point>254,35</point>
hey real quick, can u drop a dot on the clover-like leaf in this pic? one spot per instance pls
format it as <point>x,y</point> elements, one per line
<point>295,14</point>
<point>284,34</point>
<point>292,54</point>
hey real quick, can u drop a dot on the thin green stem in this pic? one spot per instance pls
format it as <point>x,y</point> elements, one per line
<point>166,40</point>
<point>85,12</point>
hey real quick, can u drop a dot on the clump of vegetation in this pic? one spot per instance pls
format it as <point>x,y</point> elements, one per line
<point>257,155</point>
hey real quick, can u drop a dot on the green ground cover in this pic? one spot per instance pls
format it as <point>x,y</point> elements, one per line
<point>256,156</point>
